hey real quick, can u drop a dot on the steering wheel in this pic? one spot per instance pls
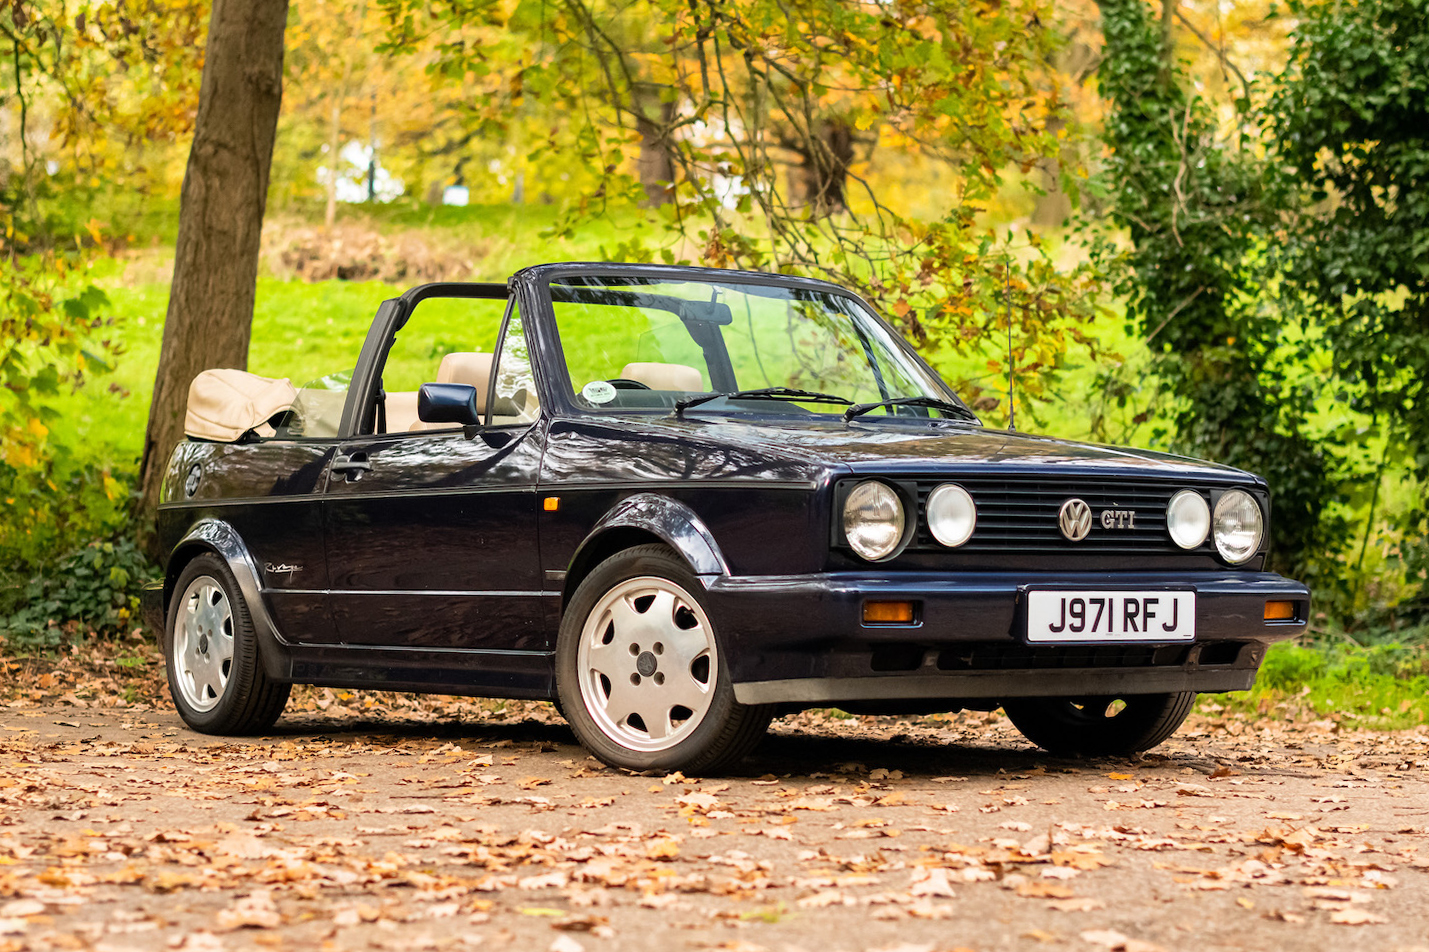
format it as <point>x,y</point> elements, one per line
<point>624,383</point>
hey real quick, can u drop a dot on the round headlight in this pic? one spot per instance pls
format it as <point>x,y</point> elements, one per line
<point>952,514</point>
<point>1238,526</point>
<point>873,520</point>
<point>1188,519</point>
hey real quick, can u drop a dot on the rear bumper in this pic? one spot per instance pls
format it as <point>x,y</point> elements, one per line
<point>802,639</point>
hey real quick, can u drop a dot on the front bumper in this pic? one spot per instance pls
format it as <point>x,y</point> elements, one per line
<point>802,639</point>
<point>151,607</point>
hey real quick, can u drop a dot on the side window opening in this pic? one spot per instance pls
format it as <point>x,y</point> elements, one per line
<point>514,399</point>
<point>317,411</point>
<point>445,340</point>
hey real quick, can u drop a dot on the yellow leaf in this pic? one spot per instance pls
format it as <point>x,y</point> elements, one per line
<point>663,849</point>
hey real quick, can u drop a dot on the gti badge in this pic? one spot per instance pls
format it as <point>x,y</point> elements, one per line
<point>1118,518</point>
<point>1075,519</point>
<point>192,481</point>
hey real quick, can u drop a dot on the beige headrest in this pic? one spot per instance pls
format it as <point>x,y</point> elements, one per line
<point>225,404</point>
<point>664,376</point>
<point>472,368</point>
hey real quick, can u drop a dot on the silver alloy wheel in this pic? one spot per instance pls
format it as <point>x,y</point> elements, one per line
<point>647,664</point>
<point>203,643</point>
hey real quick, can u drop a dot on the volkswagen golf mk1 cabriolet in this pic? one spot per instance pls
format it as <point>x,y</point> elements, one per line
<point>679,502</point>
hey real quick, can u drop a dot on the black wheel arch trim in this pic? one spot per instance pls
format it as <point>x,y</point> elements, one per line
<point>668,520</point>
<point>220,538</point>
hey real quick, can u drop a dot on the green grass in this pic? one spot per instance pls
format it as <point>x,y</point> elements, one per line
<point>299,330</point>
<point>1379,686</point>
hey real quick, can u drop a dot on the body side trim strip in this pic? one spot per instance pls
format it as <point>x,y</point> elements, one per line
<point>381,591</point>
<point>589,485</point>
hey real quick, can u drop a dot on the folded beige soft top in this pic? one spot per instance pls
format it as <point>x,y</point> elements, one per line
<point>225,404</point>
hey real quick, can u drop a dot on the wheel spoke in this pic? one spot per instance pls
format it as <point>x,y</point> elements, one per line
<point>627,622</point>
<point>605,659</point>
<point>220,649</point>
<point>682,690</point>
<point>210,682</point>
<point>684,645</point>
<point>656,718</point>
<point>623,701</point>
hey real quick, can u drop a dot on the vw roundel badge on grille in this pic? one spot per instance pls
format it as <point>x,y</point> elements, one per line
<point>1146,617</point>
<point>1075,519</point>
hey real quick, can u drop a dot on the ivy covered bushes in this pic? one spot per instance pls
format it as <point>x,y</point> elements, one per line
<point>1278,266</point>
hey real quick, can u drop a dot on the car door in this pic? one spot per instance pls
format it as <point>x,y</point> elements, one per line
<point>431,534</point>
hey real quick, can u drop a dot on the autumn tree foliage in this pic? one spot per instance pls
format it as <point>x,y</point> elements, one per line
<point>1349,124</point>
<point>1195,206</point>
<point>90,89</point>
<point>756,131</point>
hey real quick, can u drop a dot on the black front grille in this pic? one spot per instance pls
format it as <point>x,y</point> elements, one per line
<point>1021,515</point>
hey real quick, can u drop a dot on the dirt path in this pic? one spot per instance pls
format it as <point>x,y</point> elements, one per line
<point>120,829</point>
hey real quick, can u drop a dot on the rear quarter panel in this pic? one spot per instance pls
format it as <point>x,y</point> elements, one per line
<point>270,493</point>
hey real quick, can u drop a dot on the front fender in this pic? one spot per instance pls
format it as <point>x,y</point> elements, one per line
<point>671,521</point>
<point>220,538</point>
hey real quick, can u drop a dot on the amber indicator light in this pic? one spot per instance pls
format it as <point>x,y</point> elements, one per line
<point>888,612</point>
<point>551,503</point>
<point>1279,611</point>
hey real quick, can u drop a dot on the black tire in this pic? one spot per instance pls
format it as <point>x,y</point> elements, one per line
<point>728,729</point>
<point>1090,727</point>
<point>250,701</point>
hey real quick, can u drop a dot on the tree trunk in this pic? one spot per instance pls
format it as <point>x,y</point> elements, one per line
<point>823,171</point>
<point>1053,205</point>
<point>220,219</point>
<point>334,146</point>
<point>656,162</point>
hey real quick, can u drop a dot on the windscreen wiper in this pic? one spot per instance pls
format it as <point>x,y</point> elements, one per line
<point>932,403</point>
<point>763,393</point>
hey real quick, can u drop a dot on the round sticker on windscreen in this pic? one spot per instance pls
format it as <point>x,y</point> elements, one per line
<point>598,392</point>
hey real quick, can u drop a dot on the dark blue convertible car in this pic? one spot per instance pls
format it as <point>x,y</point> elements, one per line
<point>679,502</point>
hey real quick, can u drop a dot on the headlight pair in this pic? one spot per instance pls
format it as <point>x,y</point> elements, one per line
<point>875,523</point>
<point>1237,524</point>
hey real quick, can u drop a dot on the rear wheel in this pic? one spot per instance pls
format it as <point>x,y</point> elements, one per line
<point>1099,726</point>
<point>640,672</point>
<point>216,677</point>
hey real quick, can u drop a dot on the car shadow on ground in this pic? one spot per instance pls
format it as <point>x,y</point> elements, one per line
<point>786,752</point>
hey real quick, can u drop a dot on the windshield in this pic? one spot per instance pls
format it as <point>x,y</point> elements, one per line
<point>635,344</point>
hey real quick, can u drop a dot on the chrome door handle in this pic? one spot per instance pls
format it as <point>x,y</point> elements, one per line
<point>355,464</point>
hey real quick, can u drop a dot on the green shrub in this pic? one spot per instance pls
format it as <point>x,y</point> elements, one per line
<point>1378,685</point>
<point>94,589</point>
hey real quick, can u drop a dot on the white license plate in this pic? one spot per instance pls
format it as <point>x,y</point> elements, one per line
<point>1061,617</point>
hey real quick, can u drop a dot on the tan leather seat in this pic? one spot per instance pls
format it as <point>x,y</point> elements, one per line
<point>402,411</point>
<point>664,376</point>
<point>472,368</point>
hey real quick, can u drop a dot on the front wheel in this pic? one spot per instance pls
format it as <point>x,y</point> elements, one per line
<point>640,672</point>
<point>216,678</point>
<point>1099,726</point>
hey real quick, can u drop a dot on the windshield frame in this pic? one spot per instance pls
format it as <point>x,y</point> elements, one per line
<point>539,279</point>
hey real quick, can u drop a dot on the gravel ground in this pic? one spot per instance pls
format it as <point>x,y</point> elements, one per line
<point>458,825</point>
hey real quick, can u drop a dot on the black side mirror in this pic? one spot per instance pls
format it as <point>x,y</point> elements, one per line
<point>448,403</point>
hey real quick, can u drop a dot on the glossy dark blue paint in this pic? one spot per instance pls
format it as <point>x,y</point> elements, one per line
<point>432,561</point>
